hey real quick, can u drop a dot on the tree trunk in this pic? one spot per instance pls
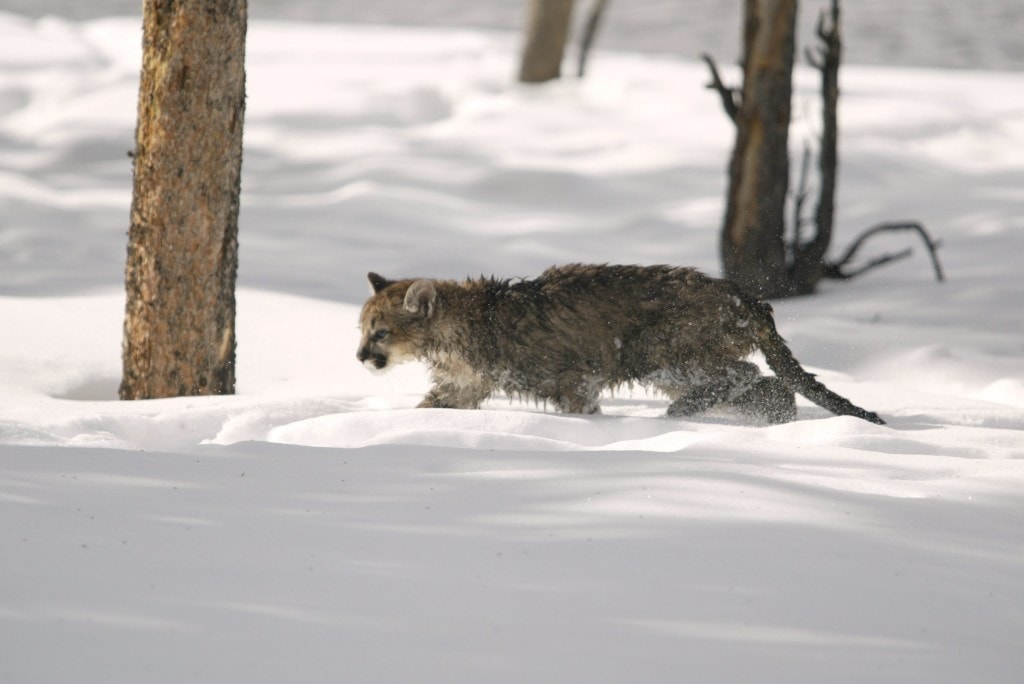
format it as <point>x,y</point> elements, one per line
<point>547,30</point>
<point>809,260</point>
<point>179,336</point>
<point>753,245</point>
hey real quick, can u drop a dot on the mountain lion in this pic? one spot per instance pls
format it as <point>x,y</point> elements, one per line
<point>579,329</point>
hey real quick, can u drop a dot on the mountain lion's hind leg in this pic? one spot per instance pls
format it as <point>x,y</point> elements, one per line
<point>694,391</point>
<point>769,400</point>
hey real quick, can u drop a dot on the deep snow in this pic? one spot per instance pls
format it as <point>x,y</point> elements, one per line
<point>315,527</point>
<point>981,34</point>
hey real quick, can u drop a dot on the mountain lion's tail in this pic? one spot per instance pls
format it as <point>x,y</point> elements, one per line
<point>788,369</point>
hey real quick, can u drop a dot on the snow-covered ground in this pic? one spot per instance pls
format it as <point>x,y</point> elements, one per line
<point>315,527</point>
<point>933,33</point>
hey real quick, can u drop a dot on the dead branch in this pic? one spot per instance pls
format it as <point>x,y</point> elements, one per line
<point>589,32</point>
<point>837,269</point>
<point>798,203</point>
<point>831,51</point>
<point>835,274</point>
<point>809,261</point>
<point>728,95</point>
<point>826,60</point>
<point>829,36</point>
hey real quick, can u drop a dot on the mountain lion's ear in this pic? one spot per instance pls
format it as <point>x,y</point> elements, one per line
<point>421,297</point>
<point>377,281</point>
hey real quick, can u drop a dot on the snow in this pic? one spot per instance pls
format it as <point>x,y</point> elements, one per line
<point>316,527</point>
<point>939,33</point>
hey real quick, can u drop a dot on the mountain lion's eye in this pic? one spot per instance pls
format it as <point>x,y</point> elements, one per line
<point>380,335</point>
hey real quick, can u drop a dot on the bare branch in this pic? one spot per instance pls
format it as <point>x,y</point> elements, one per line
<point>835,273</point>
<point>589,32</point>
<point>832,33</point>
<point>816,59</point>
<point>809,262</point>
<point>836,269</point>
<point>798,202</point>
<point>819,27</point>
<point>727,94</point>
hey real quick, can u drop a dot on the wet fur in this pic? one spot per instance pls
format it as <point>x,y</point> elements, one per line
<point>576,330</point>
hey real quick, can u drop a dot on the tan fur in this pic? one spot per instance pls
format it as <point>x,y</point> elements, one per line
<point>577,330</point>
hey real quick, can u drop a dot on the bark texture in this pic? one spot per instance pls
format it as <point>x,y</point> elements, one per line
<point>179,331</point>
<point>547,30</point>
<point>753,247</point>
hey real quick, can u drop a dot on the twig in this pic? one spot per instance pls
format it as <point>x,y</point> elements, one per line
<point>829,37</point>
<point>798,202</point>
<point>727,94</point>
<point>809,263</point>
<point>835,273</point>
<point>828,162</point>
<point>836,270</point>
<point>589,32</point>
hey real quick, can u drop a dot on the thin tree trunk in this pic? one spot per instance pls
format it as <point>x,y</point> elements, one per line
<point>547,30</point>
<point>593,23</point>
<point>753,248</point>
<point>809,260</point>
<point>179,336</point>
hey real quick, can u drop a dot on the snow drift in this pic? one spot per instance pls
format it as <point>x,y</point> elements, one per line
<point>316,527</point>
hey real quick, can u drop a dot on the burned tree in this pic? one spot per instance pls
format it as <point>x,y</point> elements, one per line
<point>179,330</point>
<point>752,247</point>
<point>755,250</point>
